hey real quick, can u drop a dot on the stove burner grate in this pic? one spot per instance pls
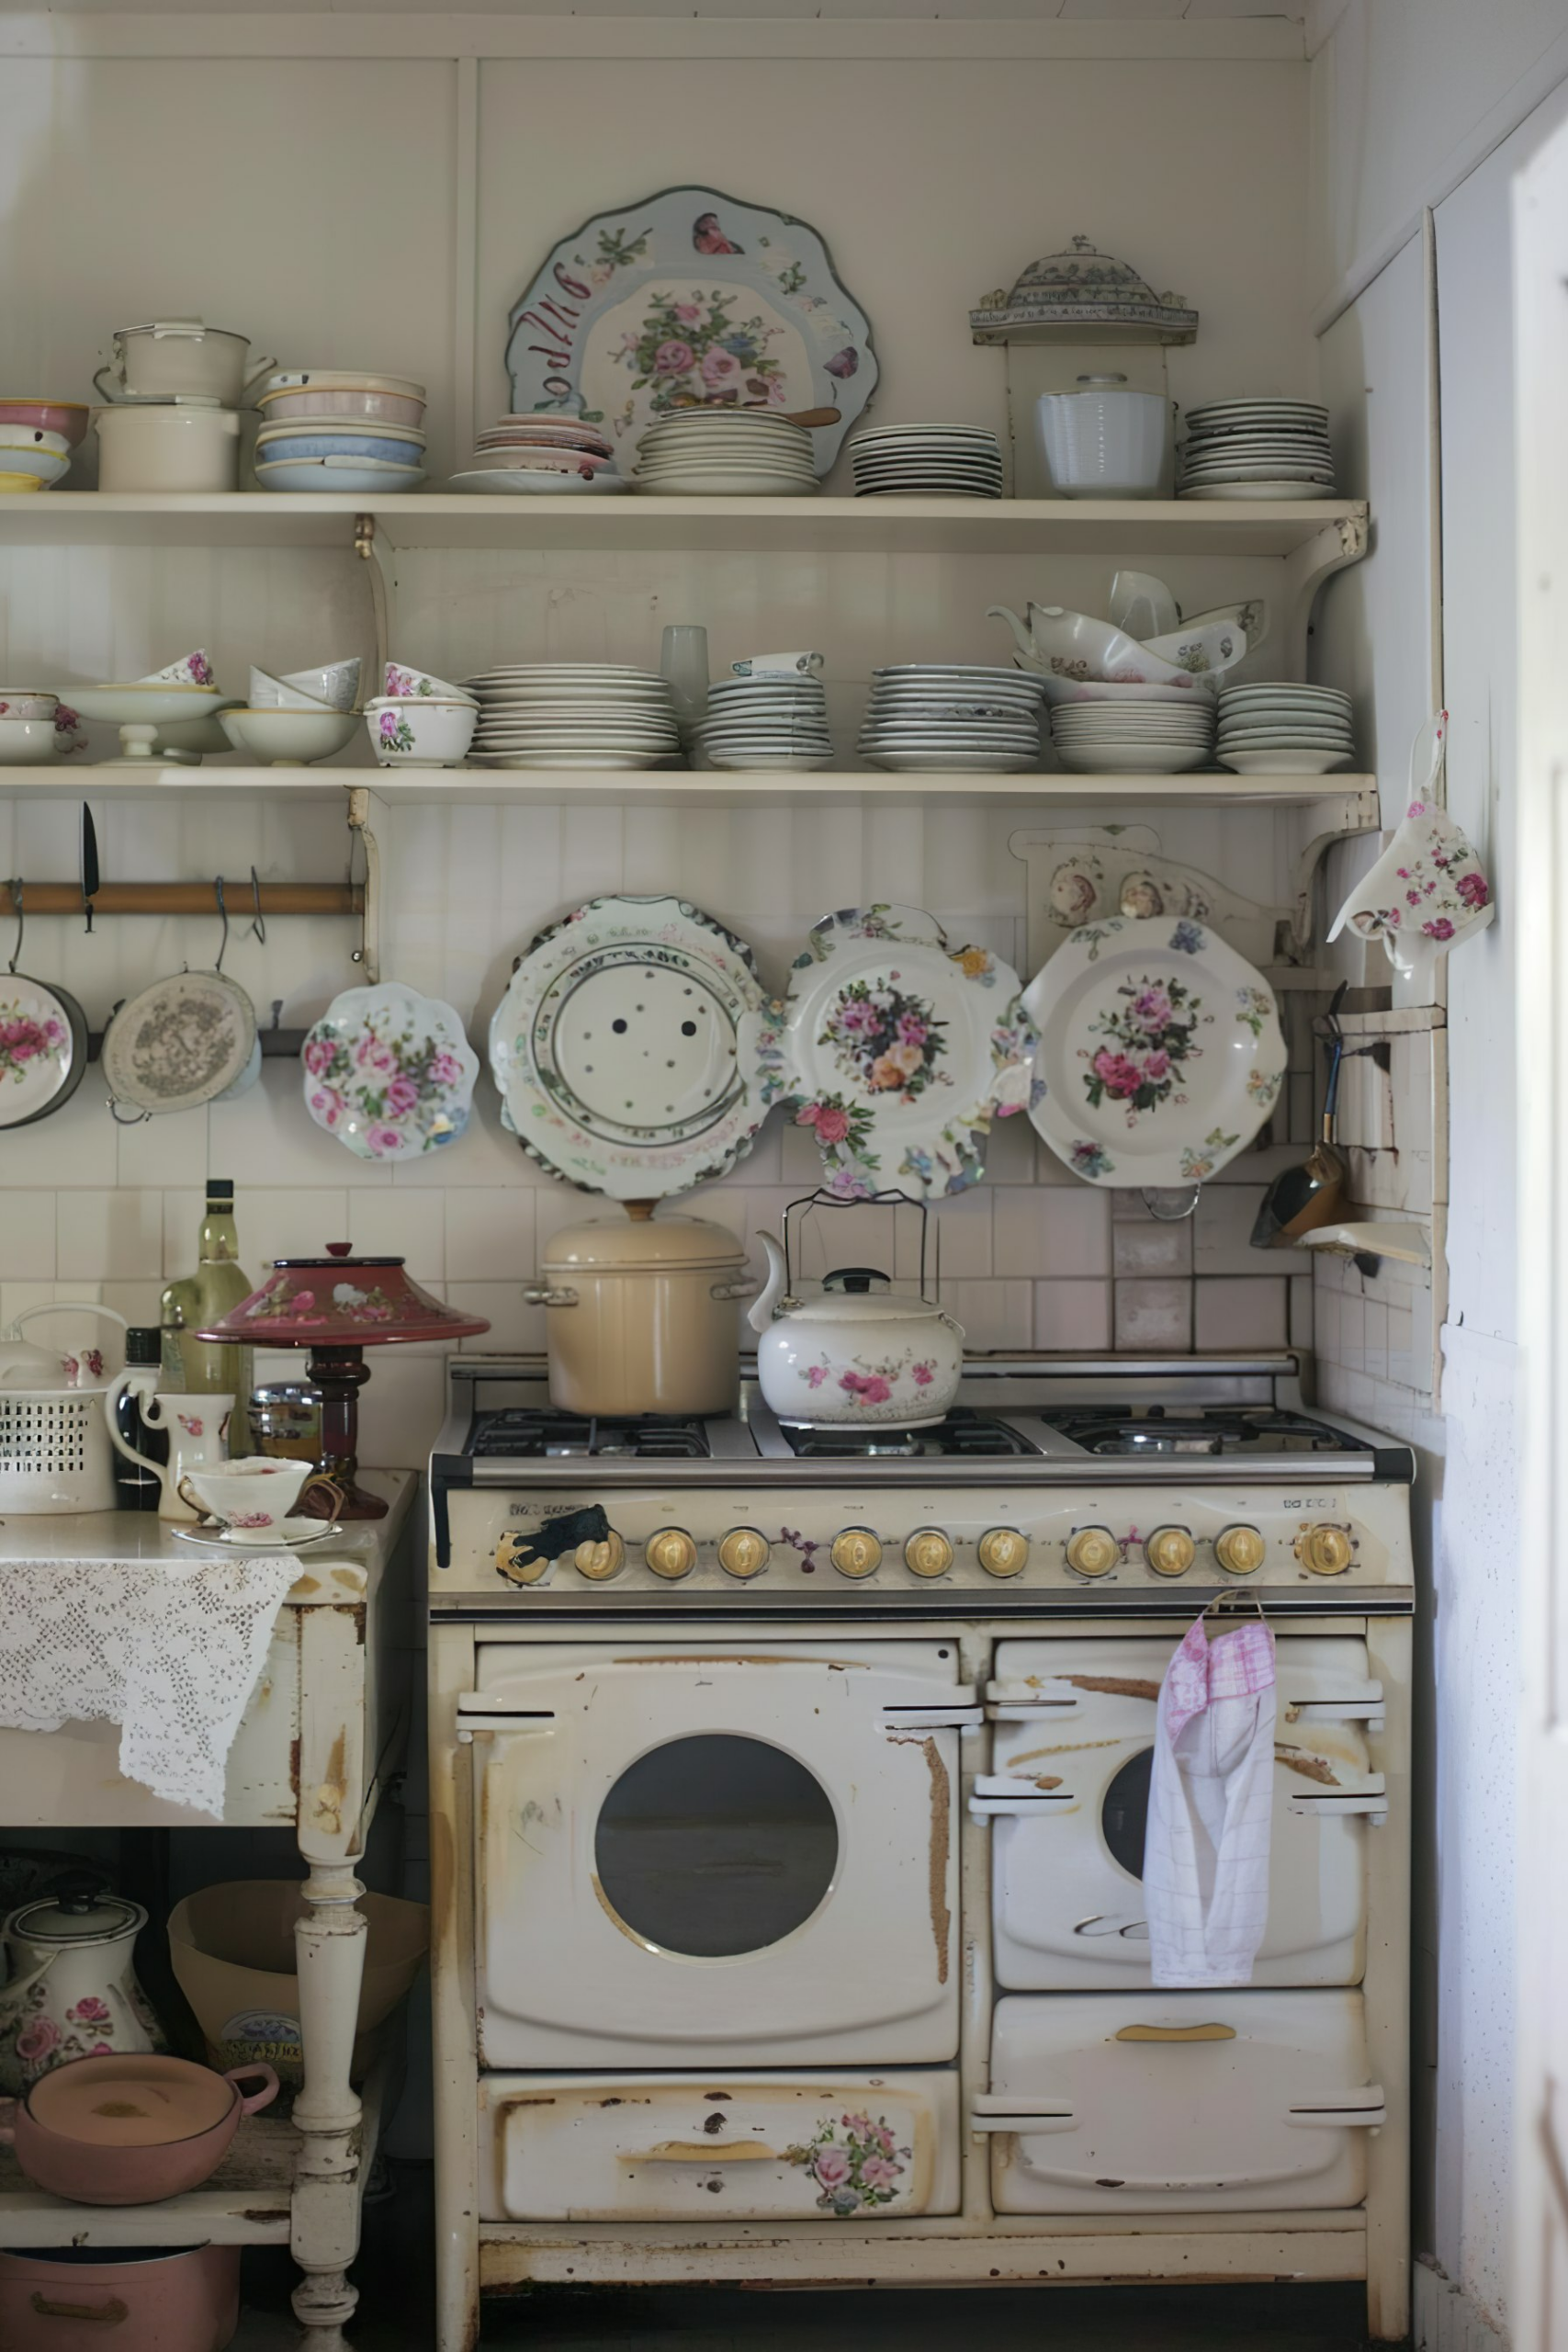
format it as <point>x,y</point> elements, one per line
<point>1111,1430</point>
<point>519,1434</point>
<point>964,1434</point>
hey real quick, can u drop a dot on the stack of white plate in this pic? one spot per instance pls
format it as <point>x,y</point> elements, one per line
<point>546,454</point>
<point>1257,449</point>
<point>726,453</point>
<point>1284,729</point>
<point>768,723</point>
<point>1133,737</point>
<point>927,461</point>
<point>572,715</point>
<point>936,716</point>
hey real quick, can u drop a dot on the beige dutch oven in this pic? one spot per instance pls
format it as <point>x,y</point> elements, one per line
<point>642,1315</point>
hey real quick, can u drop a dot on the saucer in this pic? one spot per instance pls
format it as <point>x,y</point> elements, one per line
<point>289,1536</point>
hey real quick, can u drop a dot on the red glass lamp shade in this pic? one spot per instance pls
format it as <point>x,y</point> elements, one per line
<point>337,1305</point>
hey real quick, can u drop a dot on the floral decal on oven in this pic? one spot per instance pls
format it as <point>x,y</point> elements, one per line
<point>854,2163</point>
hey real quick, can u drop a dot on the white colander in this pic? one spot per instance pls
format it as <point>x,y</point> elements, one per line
<point>54,1441</point>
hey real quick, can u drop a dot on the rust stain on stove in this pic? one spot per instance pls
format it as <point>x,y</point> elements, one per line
<point>1310,1766</point>
<point>1114,1685</point>
<point>1062,1747</point>
<point>942,1809</point>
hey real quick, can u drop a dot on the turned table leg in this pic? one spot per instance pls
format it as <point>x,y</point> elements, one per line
<point>330,1943</point>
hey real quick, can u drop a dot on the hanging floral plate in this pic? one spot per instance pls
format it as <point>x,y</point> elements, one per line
<point>897,1051</point>
<point>1160,1053</point>
<point>390,1072</point>
<point>689,299</point>
<point>617,1049</point>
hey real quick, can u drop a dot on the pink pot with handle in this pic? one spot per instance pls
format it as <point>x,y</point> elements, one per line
<point>85,2298</point>
<point>129,2129</point>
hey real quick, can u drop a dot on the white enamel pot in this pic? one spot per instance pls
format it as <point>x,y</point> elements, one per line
<point>641,1316</point>
<point>1105,440</point>
<point>856,1356</point>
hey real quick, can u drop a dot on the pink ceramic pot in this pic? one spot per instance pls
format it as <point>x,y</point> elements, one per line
<point>129,2129</point>
<point>80,2298</point>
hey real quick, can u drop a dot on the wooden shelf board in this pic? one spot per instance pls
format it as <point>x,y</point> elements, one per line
<point>827,526</point>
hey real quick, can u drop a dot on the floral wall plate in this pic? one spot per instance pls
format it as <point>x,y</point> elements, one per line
<point>390,1072</point>
<point>896,1051</point>
<point>617,1049</point>
<point>40,1058</point>
<point>689,299</point>
<point>1160,1053</point>
<point>179,1044</point>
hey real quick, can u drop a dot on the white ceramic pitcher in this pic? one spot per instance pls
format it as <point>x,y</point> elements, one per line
<point>198,1428</point>
<point>71,1991</point>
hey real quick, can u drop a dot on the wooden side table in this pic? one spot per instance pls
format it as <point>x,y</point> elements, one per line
<point>322,1737</point>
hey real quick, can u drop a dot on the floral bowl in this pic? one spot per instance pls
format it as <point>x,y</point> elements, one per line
<point>400,683</point>
<point>390,1072</point>
<point>419,732</point>
<point>68,418</point>
<point>1068,649</point>
<point>18,485</point>
<point>27,702</point>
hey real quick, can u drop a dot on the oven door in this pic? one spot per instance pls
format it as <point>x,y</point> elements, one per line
<point>1179,2102</point>
<point>1074,1731</point>
<point>698,1855</point>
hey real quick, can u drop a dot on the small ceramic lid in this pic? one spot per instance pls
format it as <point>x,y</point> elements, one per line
<point>852,1296</point>
<point>22,1365</point>
<point>642,1246</point>
<point>92,1916</point>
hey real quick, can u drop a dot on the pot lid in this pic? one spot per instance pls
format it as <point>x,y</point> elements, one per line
<point>860,1295</point>
<point>187,329</point>
<point>23,1366</point>
<point>339,1301</point>
<point>642,1245</point>
<point>81,1911</point>
<point>1084,288</point>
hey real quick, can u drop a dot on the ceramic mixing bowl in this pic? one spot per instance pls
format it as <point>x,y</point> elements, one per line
<point>288,738</point>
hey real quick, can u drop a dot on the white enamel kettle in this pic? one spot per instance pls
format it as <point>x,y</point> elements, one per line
<point>858,1355</point>
<point>71,1991</point>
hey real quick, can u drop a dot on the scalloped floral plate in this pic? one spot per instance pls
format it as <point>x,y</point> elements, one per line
<point>617,1049</point>
<point>388,1072</point>
<point>897,1051</point>
<point>1160,1053</point>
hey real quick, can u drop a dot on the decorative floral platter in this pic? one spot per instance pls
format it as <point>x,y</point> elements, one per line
<point>1160,1053</point>
<point>896,1051</point>
<point>38,1049</point>
<point>689,299</point>
<point>618,1048</point>
<point>390,1072</point>
<point>181,1043</point>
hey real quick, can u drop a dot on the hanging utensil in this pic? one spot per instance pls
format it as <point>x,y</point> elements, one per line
<point>1308,1196</point>
<point>185,1041</point>
<point>89,863</point>
<point>43,1039</point>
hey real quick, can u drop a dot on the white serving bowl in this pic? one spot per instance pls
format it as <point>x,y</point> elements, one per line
<point>335,683</point>
<point>288,738</point>
<point>268,693</point>
<point>25,742</point>
<point>419,731</point>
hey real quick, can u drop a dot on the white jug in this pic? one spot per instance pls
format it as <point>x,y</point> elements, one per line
<point>199,1434</point>
<point>71,1991</point>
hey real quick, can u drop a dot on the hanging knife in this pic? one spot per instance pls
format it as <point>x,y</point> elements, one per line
<point>89,863</point>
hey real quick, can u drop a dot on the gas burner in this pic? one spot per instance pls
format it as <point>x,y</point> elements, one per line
<point>1154,1430</point>
<point>964,1433</point>
<point>518,1434</point>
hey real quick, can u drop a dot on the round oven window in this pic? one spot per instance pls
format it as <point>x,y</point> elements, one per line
<point>715,1845</point>
<point>1124,1816</point>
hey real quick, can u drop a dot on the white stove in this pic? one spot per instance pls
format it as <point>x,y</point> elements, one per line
<point>790,1789</point>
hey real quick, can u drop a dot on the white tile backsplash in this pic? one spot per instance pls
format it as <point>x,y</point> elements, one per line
<point>104,1235</point>
<point>1151,1246</point>
<point>1048,1230</point>
<point>1153,1316</point>
<point>1072,1314</point>
<point>1230,1313</point>
<point>27,1236</point>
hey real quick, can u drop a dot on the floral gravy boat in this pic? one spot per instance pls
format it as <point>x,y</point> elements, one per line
<point>1428,890</point>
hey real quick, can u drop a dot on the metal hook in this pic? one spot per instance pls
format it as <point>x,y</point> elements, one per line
<point>258,920</point>
<point>15,889</point>
<point>223,950</point>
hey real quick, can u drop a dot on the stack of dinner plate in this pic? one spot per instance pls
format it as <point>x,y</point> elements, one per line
<point>1134,738</point>
<point>952,716</point>
<point>767,723</point>
<point>1257,449</point>
<point>572,715</point>
<point>927,461</point>
<point>726,453</point>
<point>547,454</point>
<point>1285,729</point>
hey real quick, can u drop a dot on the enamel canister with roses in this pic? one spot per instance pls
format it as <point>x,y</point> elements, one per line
<point>71,1991</point>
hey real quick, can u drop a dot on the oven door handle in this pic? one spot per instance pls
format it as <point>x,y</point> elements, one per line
<point>961,1711</point>
<point>1028,1700</point>
<point>1372,1801</point>
<point>1030,1710</point>
<point>1364,2109</point>
<point>1362,1706</point>
<point>700,2152</point>
<point>993,2112</point>
<point>478,1717</point>
<point>994,1799</point>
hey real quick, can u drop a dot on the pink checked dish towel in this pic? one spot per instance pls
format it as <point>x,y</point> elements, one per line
<point>1211,1801</point>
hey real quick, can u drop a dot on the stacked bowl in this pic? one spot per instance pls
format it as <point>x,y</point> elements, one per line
<point>574,715</point>
<point>293,720</point>
<point>927,461</point>
<point>1257,449</point>
<point>37,438</point>
<point>1285,729</point>
<point>767,722</point>
<point>1135,730</point>
<point>726,453</point>
<point>540,454</point>
<point>933,717</point>
<point>335,429</point>
<point>418,721</point>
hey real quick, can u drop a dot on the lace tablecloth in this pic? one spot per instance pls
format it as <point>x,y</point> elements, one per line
<point>168,1651</point>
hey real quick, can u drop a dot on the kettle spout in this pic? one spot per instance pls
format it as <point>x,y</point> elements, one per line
<point>760,1313</point>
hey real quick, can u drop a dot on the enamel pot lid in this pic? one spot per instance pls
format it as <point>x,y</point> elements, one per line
<point>81,1913</point>
<point>642,1246</point>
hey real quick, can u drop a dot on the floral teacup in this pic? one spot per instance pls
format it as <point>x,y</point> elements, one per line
<point>252,1497</point>
<point>1428,890</point>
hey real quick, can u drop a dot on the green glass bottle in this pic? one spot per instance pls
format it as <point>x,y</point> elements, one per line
<point>196,1301</point>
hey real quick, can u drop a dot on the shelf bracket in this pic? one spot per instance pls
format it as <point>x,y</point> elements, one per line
<point>367,548</point>
<point>1326,823</point>
<point>367,954</point>
<point>1339,544</point>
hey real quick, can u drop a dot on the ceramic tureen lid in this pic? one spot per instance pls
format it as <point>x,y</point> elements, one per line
<point>1084,288</point>
<point>93,1917</point>
<point>611,1245</point>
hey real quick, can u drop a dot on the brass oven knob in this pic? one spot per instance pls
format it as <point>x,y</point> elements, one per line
<point>1093,1551</point>
<point>928,1553</point>
<point>670,1553</point>
<point>1327,1551</point>
<point>1003,1552</point>
<point>600,1561</point>
<point>519,1561</point>
<point>743,1553</point>
<point>1170,1551</point>
<point>856,1553</point>
<point>1241,1550</point>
